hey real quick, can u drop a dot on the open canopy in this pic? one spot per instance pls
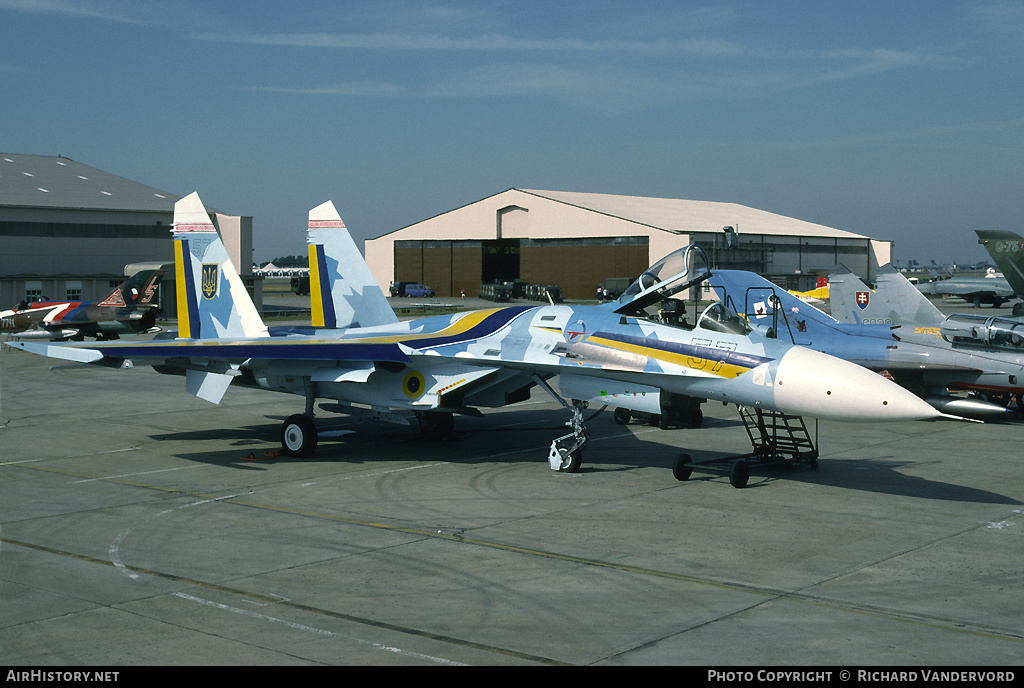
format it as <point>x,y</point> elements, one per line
<point>672,274</point>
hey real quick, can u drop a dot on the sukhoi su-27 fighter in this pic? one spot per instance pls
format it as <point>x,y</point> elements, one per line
<point>358,358</point>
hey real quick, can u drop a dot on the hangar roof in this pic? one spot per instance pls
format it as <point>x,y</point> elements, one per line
<point>39,181</point>
<point>676,215</point>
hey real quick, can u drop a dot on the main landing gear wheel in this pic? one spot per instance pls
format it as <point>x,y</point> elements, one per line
<point>436,425</point>
<point>696,418</point>
<point>299,436</point>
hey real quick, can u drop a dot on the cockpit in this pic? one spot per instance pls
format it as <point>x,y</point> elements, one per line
<point>719,318</point>
<point>662,283</point>
<point>979,330</point>
<point>657,294</point>
<point>670,275</point>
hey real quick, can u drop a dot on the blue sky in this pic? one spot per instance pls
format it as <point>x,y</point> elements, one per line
<point>898,120</point>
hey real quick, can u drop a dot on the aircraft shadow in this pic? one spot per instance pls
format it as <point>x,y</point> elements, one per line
<point>879,476</point>
<point>523,437</point>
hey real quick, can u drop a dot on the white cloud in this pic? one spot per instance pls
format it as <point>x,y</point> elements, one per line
<point>73,8</point>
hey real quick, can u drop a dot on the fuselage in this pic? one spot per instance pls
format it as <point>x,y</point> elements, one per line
<point>77,317</point>
<point>488,357</point>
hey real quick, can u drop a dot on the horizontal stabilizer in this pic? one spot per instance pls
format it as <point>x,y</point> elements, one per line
<point>68,353</point>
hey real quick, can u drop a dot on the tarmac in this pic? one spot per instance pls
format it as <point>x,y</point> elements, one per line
<point>141,526</point>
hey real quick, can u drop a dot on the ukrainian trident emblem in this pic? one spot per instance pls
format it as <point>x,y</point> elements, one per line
<point>209,280</point>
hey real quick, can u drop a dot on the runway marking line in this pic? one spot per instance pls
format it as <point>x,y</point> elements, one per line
<point>775,593</point>
<point>276,600</point>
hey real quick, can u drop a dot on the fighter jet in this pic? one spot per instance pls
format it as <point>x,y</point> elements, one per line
<point>439,366</point>
<point>1007,250</point>
<point>931,357</point>
<point>992,289</point>
<point>128,309</point>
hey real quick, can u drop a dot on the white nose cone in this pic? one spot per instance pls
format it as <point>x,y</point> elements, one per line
<point>814,384</point>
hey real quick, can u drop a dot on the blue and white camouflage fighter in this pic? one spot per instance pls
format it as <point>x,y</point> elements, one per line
<point>358,358</point>
<point>894,330</point>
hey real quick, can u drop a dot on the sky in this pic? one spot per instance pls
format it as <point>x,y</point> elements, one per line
<point>902,121</point>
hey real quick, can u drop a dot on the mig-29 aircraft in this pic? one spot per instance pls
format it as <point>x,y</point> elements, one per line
<point>128,309</point>
<point>903,336</point>
<point>435,367</point>
<point>893,301</point>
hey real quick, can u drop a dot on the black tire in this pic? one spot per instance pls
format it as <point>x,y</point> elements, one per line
<point>622,416</point>
<point>571,460</point>
<point>298,436</point>
<point>436,426</point>
<point>739,474</point>
<point>681,468</point>
<point>696,418</point>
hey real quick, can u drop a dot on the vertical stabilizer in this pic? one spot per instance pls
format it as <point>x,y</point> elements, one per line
<point>137,290</point>
<point>893,301</point>
<point>843,290</point>
<point>905,303</point>
<point>1007,250</point>
<point>212,301</point>
<point>343,292</point>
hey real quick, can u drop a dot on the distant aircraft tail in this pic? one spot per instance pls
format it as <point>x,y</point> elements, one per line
<point>893,301</point>
<point>212,301</point>
<point>139,290</point>
<point>1007,250</point>
<point>212,304</point>
<point>343,292</point>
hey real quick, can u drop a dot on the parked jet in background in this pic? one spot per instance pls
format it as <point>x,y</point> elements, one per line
<point>993,289</point>
<point>443,365</point>
<point>961,352</point>
<point>128,309</point>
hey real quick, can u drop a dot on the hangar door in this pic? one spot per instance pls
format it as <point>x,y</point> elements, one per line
<point>576,264</point>
<point>447,267</point>
<point>500,261</point>
<point>579,264</point>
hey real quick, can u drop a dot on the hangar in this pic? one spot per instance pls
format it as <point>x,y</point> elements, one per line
<point>72,232</point>
<point>578,240</point>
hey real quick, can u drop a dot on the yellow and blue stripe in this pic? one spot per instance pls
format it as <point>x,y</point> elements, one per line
<point>321,299</point>
<point>188,306</point>
<point>721,362</point>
